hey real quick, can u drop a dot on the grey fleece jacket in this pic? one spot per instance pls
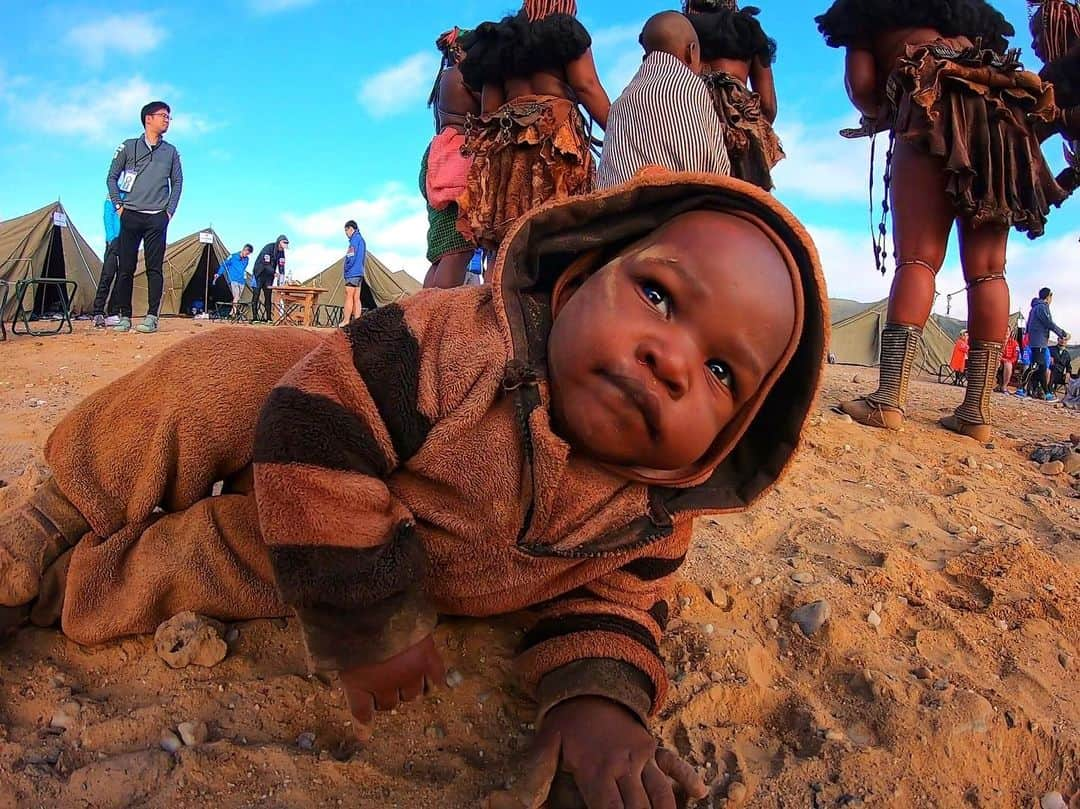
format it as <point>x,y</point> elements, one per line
<point>160,178</point>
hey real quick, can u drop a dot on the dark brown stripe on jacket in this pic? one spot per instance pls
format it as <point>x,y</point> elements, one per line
<point>348,578</point>
<point>387,357</point>
<point>550,628</point>
<point>651,568</point>
<point>305,428</point>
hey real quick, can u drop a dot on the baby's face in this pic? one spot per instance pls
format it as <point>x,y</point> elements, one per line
<point>658,350</point>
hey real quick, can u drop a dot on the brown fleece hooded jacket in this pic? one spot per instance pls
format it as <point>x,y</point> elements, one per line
<point>408,466</point>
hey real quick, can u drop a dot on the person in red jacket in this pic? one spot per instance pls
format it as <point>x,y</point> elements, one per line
<point>958,361</point>
<point>1010,355</point>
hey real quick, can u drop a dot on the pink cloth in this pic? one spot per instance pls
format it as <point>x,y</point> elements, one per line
<point>447,169</point>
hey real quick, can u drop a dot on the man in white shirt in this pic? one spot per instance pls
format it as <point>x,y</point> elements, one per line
<point>665,116</point>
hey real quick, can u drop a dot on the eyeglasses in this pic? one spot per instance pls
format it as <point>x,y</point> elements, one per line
<point>164,115</point>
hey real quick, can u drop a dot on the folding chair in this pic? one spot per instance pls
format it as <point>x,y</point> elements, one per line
<point>947,376</point>
<point>239,312</point>
<point>22,314</point>
<point>288,311</point>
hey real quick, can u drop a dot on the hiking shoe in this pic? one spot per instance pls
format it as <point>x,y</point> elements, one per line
<point>1049,398</point>
<point>148,325</point>
<point>122,324</point>
<point>1021,393</point>
<point>99,321</point>
<point>112,320</point>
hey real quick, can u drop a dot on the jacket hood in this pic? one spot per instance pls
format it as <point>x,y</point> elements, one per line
<point>753,450</point>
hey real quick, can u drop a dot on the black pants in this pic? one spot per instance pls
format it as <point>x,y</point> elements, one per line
<point>263,285</point>
<point>149,229</point>
<point>109,268</point>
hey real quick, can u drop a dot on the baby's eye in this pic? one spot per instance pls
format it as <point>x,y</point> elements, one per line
<point>721,370</point>
<point>658,297</point>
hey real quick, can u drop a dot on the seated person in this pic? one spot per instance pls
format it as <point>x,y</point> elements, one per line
<point>665,116</point>
<point>543,441</point>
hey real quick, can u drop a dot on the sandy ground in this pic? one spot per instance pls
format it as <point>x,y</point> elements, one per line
<point>967,694</point>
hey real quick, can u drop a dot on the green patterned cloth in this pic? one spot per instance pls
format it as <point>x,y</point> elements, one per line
<point>443,237</point>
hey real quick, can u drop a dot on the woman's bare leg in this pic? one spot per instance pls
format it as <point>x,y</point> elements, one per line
<point>982,255</point>
<point>922,218</point>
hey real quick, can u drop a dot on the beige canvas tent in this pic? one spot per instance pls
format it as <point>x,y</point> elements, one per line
<point>856,335</point>
<point>187,262</point>
<point>386,286</point>
<point>45,244</point>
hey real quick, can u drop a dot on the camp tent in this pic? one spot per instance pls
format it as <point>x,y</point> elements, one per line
<point>187,262</point>
<point>856,335</point>
<point>45,244</point>
<point>386,286</point>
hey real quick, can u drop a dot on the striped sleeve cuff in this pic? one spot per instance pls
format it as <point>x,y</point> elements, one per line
<point>597,677</point>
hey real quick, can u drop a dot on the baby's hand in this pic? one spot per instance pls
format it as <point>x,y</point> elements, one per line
<point>613,760</point>
<point>383,686</point>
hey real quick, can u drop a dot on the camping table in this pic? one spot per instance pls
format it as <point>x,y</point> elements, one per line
<point>22,314</point>
<point>296,304</point>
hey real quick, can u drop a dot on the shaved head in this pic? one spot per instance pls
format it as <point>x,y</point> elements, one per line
<point>670,32</point>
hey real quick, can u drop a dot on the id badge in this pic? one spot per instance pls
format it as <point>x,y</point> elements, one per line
<point>127,180</point>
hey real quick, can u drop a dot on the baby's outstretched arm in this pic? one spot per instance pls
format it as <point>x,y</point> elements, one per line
<point>343,549</point>
<point>594,660</point>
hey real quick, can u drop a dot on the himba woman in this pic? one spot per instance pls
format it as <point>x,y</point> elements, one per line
<point>1055,32</point>
<point>960,109</point>
<point>737,59</point>
<point>443,169</point>
<point>530,145</point>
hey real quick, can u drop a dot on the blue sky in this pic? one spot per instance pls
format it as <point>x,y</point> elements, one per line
<point>295,115</point>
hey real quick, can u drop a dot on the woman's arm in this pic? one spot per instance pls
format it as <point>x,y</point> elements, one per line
<point>581,76</point>
<point>761,82</point>
<point>860,77</point>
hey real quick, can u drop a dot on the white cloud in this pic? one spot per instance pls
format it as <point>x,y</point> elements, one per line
<point>399,88</point>
<point>275,6</point>
<point>393,222</point>
<point>129,34</point>
<point>848,261</point>
<point>98,111</point>
<point>824,166</point>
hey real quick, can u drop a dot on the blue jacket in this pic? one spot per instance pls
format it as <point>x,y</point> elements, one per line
<point>1040,324</point>
<point>233,268</point>
<point>112,222</point>
<point>354,257</point>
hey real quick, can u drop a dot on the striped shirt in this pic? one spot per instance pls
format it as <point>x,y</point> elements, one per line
<point>665,117</point>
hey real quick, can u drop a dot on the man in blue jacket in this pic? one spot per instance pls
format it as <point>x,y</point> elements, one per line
<point>1039,326</point>
<point>234,270</point>
<point>353,270</point>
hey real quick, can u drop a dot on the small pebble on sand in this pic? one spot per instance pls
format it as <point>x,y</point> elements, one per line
<point>1053,800</point>
<point>736,793</point>
<point>773,625</point>
<point>306,741</point>
<point>1002,625</point>
<point>873,619</point>
<point>193,733</point>
<point>1052,468</point>
<point>972,462</point>
<point>811,617</point>
<point>170,742</point>
<point>802,577</point>
<point>755,581</point>
<point>454,678</point>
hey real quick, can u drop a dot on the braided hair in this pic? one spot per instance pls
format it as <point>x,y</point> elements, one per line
<point>705,6</point>
<point>1055,26</point>
<point>538,9</point>
<point>449,45</point>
